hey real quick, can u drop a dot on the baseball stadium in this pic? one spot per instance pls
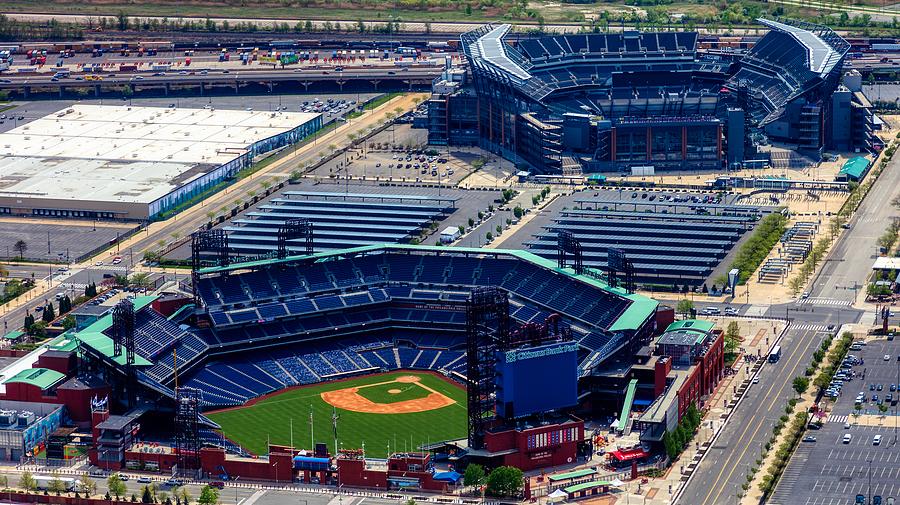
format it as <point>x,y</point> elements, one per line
<point>377,355</point>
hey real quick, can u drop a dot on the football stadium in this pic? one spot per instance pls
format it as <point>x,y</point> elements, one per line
<point>612,102</point>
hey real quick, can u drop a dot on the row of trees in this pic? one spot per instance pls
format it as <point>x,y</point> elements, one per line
<point>758,246</point>
<point>117,489</point>
<point>784,451</point>
<point>676,440</point>
<point>11,29</point>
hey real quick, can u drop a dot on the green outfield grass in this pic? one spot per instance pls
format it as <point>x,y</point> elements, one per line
<point>271,418</point>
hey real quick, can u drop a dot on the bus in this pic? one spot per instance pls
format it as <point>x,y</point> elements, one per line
<point>775,355</point>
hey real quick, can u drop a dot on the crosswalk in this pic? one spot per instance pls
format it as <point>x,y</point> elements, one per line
<point>838,419</point>
<point>825,301</point>
<point>809,326</point>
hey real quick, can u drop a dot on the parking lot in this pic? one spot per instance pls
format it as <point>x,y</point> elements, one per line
<point>56,240</point>
<point>846,463</point>
<point>397,154</point>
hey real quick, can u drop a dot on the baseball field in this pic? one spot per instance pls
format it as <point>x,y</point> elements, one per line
<point>401,409</point>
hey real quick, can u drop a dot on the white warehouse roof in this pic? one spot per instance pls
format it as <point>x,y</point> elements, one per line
<point>128,154</point>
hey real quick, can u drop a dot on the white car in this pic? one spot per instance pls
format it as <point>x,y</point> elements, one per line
<point>755,380</point>
<point>846,425</point>
<point>98,264</point>
<point>887,357</point>
<point>847,438</point>
<point>876,440</point>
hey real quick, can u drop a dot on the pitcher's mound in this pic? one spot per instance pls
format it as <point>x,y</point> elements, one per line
<point>394,391</point>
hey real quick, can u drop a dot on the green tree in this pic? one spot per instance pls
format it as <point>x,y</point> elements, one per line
<point>56,485</point>
<point>800,384</point>
<point>474,475</point>
<point>27,482</point>
<point>49,314</point>
<point>38,329</point>
<point>185,495</point>
<point>87,485</point>
<point>669,444</point>
<point>20,247</point>
<point>116,486</point>
<point>140,280</point>
<point>685,307</point>
<point>208,495</point>
<point>732,337</point>
<point>146,495</point>
<point>504,481</point>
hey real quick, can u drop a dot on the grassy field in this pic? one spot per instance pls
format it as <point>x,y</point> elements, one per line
<point>271,418</point>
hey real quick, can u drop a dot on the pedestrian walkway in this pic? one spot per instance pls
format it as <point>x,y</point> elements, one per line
<point>825,301</point>
<point>838,419</point>
<point>809,326</point>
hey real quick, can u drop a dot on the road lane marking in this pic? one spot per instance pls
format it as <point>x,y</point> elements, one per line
<point>715,483</point>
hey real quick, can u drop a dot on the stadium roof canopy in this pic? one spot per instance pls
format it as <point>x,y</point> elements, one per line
<point>42,378</point>
<point>639,309</point>
<point>93,335</point>
<point>491,48</point>
<point>822,56</point>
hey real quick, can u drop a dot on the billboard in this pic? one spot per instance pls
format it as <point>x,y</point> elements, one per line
<point>537,379</point>
<point>615,259</point>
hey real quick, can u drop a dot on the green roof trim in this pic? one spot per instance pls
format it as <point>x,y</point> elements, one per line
<point>182,309</point>
<point>572,475</point>
<point>14,335</point>
<point>855,167</point>
<point>42,378</point>
<point>640,308</point>
<point>692,325</point>
<point>93,335</point>
<point>587,485</point>
<point>65,342</point>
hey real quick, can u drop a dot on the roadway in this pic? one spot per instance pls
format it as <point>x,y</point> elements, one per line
<point>724,468</point>
<point>235,492</point>
<point>226,76</point>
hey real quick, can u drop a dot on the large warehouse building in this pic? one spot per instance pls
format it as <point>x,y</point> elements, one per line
<point>615,101</point>
<point>123,162</point>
